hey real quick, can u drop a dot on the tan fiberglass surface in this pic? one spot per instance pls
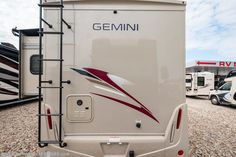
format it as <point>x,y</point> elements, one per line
<point>153,68</point>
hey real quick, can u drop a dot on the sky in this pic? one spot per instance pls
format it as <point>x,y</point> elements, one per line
<point>211,30</point>
<point>20,13</point>
<point>210,26</point>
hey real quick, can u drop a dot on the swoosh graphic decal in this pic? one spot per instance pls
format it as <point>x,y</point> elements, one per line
<point>140,109</point>
<point>103,77</point>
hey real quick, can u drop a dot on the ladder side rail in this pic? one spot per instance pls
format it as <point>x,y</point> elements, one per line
<point>40,76</point>
<point>62,144</point>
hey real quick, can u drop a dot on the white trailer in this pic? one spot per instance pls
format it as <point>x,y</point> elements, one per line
<point>108,90</point>
<point>8,72</point>
<point>29,62</point>
<point>199,83</point>
<point>18,82</point>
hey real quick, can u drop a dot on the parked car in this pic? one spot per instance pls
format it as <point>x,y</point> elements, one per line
<point>232,73</point>
<point>221,81</point>
<point>226,94</point>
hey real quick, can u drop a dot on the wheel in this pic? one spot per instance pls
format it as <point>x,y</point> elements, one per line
<point>214,100</point>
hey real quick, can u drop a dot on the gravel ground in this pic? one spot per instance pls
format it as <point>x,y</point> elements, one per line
<point>18,130</point>
<point>212,129</point>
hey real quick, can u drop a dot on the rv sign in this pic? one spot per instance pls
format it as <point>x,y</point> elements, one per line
<point>216,63</point>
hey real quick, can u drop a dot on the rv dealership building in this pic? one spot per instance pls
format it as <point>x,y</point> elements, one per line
<point>219,68</point>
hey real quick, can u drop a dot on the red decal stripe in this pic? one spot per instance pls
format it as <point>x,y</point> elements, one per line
<point>140,109</point>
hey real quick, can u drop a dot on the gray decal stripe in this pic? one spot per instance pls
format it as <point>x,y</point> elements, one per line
<point>82,72</point>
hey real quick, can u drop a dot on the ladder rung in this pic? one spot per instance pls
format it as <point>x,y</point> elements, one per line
<point>49,142</point>
<point>51,5</point>
<point>49,114</point>
<point>51,87</point>
<point>50,81</point>
<point>52,59</point>
<point>42,32</point>
<point>67,81</point>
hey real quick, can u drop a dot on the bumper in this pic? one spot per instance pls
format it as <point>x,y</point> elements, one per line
<point>143,146</point>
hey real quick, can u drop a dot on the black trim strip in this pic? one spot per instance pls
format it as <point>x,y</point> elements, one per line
<point>9,49</point>
<point>13,80</point>
<point>13,56</point>
<point>12,102</point>
<point>11,83</point>
<point>8,72</point>
<point>9,62</point>
<point>7,92</point>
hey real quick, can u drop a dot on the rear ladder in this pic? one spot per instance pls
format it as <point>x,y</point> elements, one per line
<point>60,6</point>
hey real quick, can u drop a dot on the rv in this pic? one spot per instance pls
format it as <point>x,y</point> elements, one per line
<point>199,83</point>
<point>8,72</point>
<point>18,85</point>
<point>111,74</point>
<point>226,94</point>
<point>232,73</point>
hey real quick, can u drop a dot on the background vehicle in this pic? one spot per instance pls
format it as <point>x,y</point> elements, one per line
<point>8,72</point>
<point>18,85</point>
<point>108,90</point>
<point>226,94</point>
<point>231,74</point>
<point>199,83</point>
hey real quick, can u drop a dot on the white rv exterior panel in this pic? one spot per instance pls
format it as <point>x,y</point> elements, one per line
<point>29,81</point>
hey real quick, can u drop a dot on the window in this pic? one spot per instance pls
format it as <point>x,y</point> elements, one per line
<point>34,64</point>
<point>188,80</point>
<point>226,86</point>
<point>200,81</point>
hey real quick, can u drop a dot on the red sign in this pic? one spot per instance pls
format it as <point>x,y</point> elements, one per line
<point>206,63</point>
<point>216,63</point>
